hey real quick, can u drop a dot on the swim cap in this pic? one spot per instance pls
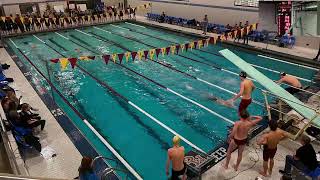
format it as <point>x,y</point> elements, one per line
<point>243,74</point>
<point>176,140</point>
<point>283,73</point>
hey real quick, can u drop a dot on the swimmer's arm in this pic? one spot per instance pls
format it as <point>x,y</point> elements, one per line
<point>240,92</point>
<point>167,164</point>
<point>279,81</point>
<point>255,119</point>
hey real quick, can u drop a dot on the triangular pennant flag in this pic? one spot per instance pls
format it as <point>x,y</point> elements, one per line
<point>167,50</point>
<point>22,19</point>
<point>92,57</point>
<point>54,60</point>
<point>63,63</point>
<point>133,55</point>
<point>30,19</point>
<point>46,19</point>
<point>195,44</point>
<point>203,41</point>
<point>207,42</point>
<point>95,16</point>
<point>127,54</point>
<point>120,56</point>
<point>39,19</point>
<point>114,57</point>
<point>73,62</point>
<point>211,40</point>
<point>254,26</point>
<point>3,18</point>
<point>163,51</point>
<point>173,49</point>
<point>182,46</point>
<point>199,44</point>
<point>106,58</point>
<point>191,45</point>
<point>177,48</point>
<point>152,52</point>
<point>146,52</point>
<point>158,50</point>
<point>140,54</point>
<point>84,58</point>
<point>187,46</point>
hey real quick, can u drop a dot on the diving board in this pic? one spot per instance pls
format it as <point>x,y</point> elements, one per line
<point>273,87</point>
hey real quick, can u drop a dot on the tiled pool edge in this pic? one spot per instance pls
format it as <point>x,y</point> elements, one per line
<point>74,134</point>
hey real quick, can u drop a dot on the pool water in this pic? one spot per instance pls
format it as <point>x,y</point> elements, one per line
<point>139,140</point>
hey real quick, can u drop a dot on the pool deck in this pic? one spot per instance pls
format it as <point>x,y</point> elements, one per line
<point>295,51</point>
<point>65,164</point>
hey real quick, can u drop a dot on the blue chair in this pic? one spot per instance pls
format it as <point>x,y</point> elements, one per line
<point>314,174</point>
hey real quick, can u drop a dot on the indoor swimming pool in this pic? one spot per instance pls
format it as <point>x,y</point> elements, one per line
<point>138,106</point>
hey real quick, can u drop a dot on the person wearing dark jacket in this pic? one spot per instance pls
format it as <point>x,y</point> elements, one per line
<point>28,119</point>
<point>305,158</point>
<point>18,21</point>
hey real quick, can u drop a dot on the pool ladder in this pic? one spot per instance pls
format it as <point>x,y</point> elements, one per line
<point>106,172</point>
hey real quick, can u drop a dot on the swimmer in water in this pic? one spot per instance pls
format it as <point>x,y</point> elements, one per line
<point>221,101</point>
<point>33,46</point>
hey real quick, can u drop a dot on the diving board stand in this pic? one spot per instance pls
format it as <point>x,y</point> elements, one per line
<point>309,113</point>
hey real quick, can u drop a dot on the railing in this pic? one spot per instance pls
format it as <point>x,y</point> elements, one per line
<point>110,169</point>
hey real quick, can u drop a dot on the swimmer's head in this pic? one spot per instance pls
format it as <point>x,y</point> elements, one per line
<point>176,140</point>
<point>244,114</point>
<point>243,74</point>
<point>283,74</point>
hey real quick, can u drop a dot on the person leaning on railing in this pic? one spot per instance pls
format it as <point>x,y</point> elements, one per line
<point>86,170</point>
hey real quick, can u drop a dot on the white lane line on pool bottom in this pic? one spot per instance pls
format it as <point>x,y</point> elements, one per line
<point>102,29</point>
<point>166,127</point>
<point>120,27</point>
<point>14,43</point>
<point>275,59</point>
<point>62,36</point>
<point>114,152</point>
<point>39,39</point>
<point>135,25</point>
<point>200,105</point>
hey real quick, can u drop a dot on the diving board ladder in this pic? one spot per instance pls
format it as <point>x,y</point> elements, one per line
<point>313,115</point>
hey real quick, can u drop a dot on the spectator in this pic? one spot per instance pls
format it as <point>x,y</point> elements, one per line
<point>240,25</point>
<point>28,119</point>
<point>13,98</point>
<point>2,26</point>
<point>121,15</point>
<point>85,170</point>
<point>162,17</point>
<point>205,24</point>
<point>305,158</point>
<point>18,21</point>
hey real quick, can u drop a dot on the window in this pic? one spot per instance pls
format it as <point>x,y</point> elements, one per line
<point>247,3</point>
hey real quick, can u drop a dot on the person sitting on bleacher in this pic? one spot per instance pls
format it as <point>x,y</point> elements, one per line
<point>13,98</point>
<point>162,17</point>
<point>305,158</point>
<point>29,119</point>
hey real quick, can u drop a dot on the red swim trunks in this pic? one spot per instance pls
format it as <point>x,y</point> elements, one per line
<point>244,104</point>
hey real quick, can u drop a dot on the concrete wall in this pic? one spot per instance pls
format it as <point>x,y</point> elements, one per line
<point>219,11</point>
<point>11,9</point>
<point>267,17</point>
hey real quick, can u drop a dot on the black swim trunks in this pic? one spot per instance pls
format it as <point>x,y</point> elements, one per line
<point>175,174</point>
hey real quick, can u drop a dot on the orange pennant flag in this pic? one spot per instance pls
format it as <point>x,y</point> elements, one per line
<point>22,20</point>
<point>114,57</point>
<point>200,44</point>
<point>254,26</point>
<point>140,54</point>
<point>151,53</point>
<point>173,49</point>
<point>163,51</point>
<point>64,63</point>
<point>191,45</point>
<point>127,54</point>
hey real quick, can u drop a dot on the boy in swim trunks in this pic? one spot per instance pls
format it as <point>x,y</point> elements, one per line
<point>270,141</point>
<point>176,155</point>
<point>290,80</point>
<point>246,88</point>
<point>239,135</point>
